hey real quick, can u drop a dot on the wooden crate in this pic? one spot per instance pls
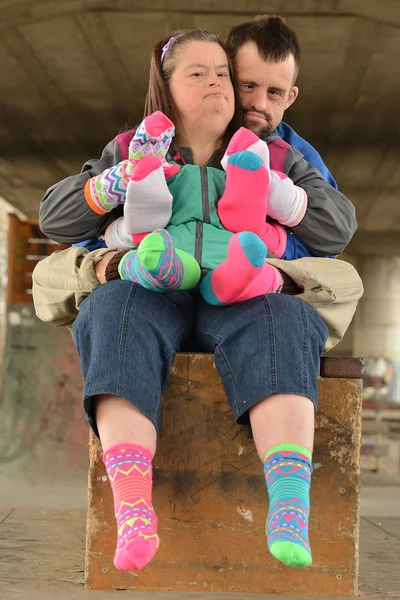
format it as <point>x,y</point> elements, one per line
<point>26,247</point>
<point>380,442</point>
<point>211,501</point>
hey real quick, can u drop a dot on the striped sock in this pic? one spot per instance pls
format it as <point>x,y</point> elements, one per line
<point>156,265</point>
<point>152,138</point>
<point>287,470</point>
<point>130,472</point>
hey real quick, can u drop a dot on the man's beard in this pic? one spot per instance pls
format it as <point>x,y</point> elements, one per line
<point>263,130</point>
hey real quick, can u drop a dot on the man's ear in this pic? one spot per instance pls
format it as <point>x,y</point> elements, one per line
<point>294,92</point>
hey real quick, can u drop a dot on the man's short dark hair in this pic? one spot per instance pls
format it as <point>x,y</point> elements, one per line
<point>272,36</point>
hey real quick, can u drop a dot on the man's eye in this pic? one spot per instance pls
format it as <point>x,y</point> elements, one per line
<point>273,92</point>
<point>247,86</point>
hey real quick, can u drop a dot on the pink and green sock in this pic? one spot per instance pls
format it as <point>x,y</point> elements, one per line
<point>287,470</point>
<point>243,275</point>
<point>157,265</point>
<point>129,469</point>
<point>244,204</point>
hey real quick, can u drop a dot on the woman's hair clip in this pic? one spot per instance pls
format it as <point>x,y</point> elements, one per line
<point>166,47</point>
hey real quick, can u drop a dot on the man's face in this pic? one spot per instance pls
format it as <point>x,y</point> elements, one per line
<point>266,89</point>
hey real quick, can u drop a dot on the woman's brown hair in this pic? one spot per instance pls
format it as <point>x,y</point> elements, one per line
<point>161,70</point>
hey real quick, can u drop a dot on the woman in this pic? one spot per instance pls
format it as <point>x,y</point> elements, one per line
<point>267,349</point>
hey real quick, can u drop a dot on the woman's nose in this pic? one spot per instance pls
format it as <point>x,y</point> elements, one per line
<point>214,80</point>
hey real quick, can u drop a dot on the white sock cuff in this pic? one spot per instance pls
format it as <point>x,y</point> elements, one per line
<point>116,236</point>
<point>260,148</point>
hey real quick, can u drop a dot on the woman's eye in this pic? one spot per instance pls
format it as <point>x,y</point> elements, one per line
<point>223,75</point>
<point>196,74</point>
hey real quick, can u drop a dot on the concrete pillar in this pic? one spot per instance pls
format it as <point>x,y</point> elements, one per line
<point>376,337</point>
<point>377,322</point>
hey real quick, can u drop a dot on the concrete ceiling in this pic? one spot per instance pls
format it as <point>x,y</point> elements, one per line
<point>74,73</point>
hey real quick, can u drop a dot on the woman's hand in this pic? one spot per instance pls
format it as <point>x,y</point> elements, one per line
<point>101,266</point>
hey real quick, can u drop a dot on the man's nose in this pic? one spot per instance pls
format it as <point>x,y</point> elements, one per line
<point>257,99</point>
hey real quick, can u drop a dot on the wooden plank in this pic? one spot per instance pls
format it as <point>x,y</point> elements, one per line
<point>342,367</point>
<point>211,501</point>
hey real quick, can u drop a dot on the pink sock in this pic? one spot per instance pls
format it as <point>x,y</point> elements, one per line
<point>243,275</point>
<point>244,139</point>
<point>129,469</point>
<point>244,205</point>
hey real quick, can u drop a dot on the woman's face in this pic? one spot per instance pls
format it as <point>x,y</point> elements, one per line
<point>201,88</point>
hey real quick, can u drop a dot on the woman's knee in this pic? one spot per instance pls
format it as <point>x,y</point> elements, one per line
<point>296,320</point>
<point>121,310</point>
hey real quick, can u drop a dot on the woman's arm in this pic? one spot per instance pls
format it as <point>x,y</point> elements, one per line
<point>65,215</point>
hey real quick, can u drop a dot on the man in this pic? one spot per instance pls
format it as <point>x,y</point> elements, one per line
<point>267,57</point>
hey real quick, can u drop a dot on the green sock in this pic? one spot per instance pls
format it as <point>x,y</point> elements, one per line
<point>158,266</point>
<point>287,470</point>
<point>191,270</point>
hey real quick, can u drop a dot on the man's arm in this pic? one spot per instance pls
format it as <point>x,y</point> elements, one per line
<point>64,214</point>
<point>64,279</point>
<point>329,222</point>
<point>309,152</point>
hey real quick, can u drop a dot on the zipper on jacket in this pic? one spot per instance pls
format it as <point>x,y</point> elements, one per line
<point>204,194</point>
<point>198,248</point>
<point>198,243</point>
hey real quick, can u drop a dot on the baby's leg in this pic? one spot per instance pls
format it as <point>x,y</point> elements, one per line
<point>148,205</point>
<point>244,205</point>
<point>243,275</point>
<point>158,266</point>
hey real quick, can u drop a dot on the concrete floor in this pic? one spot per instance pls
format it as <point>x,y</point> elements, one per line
<point>42,549</point>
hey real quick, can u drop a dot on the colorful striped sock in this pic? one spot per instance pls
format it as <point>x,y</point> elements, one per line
<point>287,470</point>
<point>130,472</point>
<point>152,138</point>
<point>156,265</point>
